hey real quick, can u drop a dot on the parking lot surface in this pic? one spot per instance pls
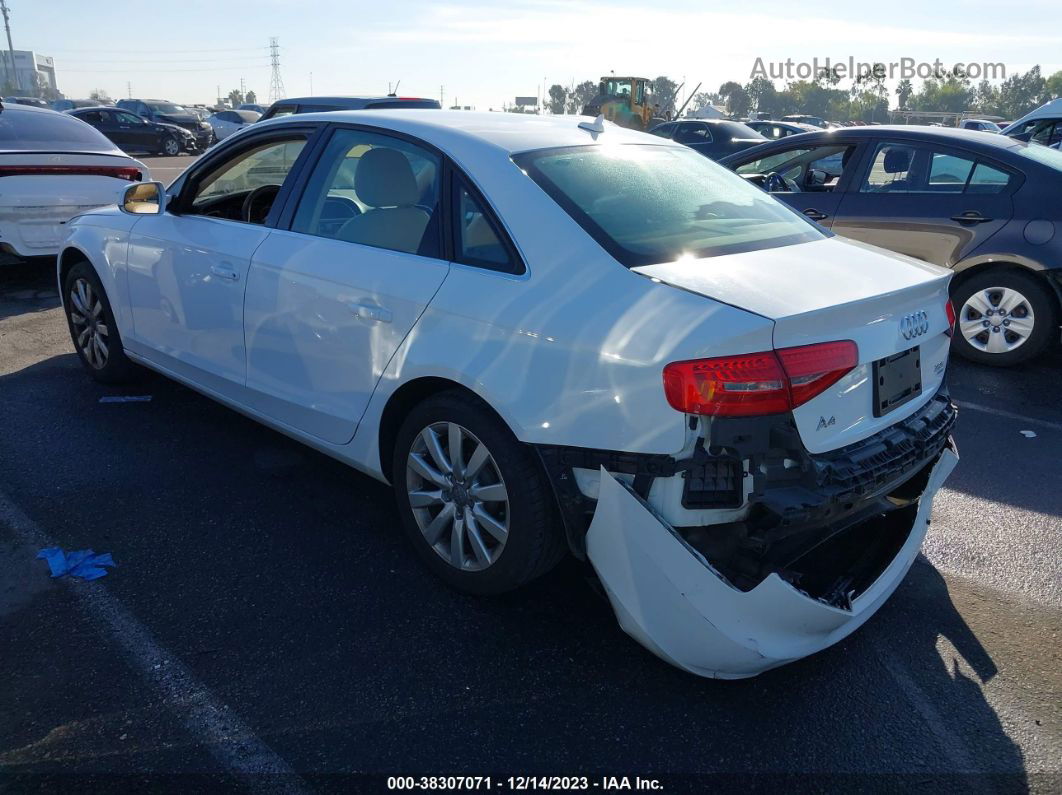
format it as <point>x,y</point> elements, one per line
<point>266,621</point>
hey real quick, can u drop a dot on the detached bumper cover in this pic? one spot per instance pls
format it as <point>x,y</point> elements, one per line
<point>669,598</point>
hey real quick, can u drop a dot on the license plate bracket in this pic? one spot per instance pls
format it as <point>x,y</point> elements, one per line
<point>897,380</point>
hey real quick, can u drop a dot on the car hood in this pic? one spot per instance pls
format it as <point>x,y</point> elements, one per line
<point>172,127</point>
<point>797,279</point>
<point>176,118</point>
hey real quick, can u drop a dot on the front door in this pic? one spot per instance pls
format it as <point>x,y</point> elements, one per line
<point>330,300</point>
<point>188,266</point>
<point>138,135</point>
<point>930,202</point>
<point>814,177</point>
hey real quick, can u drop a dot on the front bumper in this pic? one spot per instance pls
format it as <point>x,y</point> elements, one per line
<point>671,599</point>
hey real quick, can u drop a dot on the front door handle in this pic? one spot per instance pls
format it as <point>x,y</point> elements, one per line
<point>815,215</point>
<point>970,217</point>
<point>222,272</point>
<point>371,312</point>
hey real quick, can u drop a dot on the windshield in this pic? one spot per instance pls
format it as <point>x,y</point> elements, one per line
<point>648,204</point>
<point>166,107</point>
<point>30,131</point>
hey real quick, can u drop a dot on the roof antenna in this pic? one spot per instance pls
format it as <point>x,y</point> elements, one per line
<point>595,126</point>
<point>394,91</point>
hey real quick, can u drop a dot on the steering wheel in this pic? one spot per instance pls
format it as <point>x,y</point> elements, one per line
<point>774,182</point>
<point>257,203</point>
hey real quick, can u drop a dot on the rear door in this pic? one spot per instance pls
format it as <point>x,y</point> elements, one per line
<point>936,203</point>
<point>330,298</point>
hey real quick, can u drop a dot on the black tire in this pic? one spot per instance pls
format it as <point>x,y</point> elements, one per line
<point>534,543</point>
<point>171,147</point>
<point>1039,303</point>
<point>115,367</point>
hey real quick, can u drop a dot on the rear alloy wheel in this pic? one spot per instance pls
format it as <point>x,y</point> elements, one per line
<point>1004,317</point>
<point>474,501</point>
<point>458,496</point>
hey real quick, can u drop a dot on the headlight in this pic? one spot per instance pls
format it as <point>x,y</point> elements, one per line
<point>204,126</point>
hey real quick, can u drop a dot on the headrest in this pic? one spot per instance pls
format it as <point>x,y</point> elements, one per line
<point>384,178</point>
<point>897,160</point>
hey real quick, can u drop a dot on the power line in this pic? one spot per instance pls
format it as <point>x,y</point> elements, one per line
<point>167,52</point>
<point>145,71</point>
<point>155,60</point>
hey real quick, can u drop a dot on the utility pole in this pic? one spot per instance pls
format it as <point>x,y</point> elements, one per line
<point>243,90</point>
<point>129,88</point>
<point>442,96</point>
<point>10,47</point>
<point>218,89</point>
<point>311,84</point>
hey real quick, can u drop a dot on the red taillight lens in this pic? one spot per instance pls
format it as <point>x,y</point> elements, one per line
<point>753,383</point>
<point>750,384</point>
<point>949,307</point>
<point>130,173</point>
<point>814,368</point>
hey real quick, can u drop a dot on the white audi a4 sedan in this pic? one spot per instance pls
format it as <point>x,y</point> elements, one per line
<point>552,335</point>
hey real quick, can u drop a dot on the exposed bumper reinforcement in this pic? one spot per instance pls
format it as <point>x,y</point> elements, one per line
<point>669,598</point>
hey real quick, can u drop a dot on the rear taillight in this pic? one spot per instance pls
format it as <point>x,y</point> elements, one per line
<point>771,382</point>
<point>130,173</point>
<point>949,307</point>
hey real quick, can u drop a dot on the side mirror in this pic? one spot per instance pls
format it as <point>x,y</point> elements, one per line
<point>144,198</point>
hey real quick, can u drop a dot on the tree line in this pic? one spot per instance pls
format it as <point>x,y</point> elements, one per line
<point>867,98</point>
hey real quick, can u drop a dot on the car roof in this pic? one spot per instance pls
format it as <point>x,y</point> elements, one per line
<point>510,132</point>
<point>342,98</point>
<point>953,135</point>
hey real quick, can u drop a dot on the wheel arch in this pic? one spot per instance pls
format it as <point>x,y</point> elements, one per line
<point>68,257</point>
<point>1052,278</point>
<point>402,401</point>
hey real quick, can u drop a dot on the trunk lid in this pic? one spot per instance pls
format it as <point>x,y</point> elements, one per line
<point>837,289</point>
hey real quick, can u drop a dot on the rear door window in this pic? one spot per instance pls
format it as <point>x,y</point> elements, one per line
<point>33,131</point>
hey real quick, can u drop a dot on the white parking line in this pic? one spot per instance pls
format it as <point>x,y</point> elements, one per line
<point>230,741</point>
<point>1010,415</point>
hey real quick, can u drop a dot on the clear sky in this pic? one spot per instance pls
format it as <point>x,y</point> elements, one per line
<point>486,53</point>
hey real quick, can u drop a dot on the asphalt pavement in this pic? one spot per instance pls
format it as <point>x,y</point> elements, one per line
<point>266,624</point>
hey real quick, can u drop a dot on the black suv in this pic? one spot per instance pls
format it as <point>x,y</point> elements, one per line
<point>166,112</point>
<point>134,134</point>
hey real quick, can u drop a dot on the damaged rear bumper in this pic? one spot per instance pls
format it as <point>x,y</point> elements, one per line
<point>670,598</point>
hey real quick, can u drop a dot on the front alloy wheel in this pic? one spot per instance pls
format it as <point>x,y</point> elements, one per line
<point>458,496</point>
<point>171,146</point>
<point>89,324</point>
<point>996,320</point>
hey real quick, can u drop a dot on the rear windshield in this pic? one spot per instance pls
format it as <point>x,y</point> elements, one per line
<point>648,204</point>
<point>385,104</point>
<point>165,107</point>
<point>49,132</point>
<point>739,130</point>
<point>1041,154</point>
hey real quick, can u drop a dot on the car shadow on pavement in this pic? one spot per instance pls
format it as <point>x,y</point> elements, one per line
<point>27,286</point>
<point>280,578</point>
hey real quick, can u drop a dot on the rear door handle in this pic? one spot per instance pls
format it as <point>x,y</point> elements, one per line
<point>815,215</point>
<point>225,273</point>
<point>371,312</point>
<point>970,217</point>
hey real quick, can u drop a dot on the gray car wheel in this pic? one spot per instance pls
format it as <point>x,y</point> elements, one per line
<point>474,501</point>
<point>171,147</point>
<point>1003,317</point>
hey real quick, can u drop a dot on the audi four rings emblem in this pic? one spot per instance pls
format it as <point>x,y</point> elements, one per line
<point>914,325</point>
